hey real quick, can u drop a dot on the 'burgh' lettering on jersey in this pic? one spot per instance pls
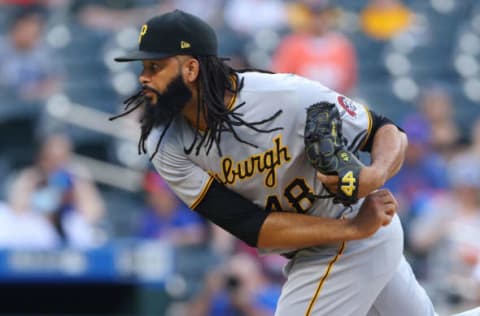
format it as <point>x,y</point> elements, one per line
<point>266,161</point>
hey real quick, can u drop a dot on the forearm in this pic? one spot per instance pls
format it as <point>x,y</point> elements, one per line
<point>292,230</point>
<point>386,145</point>
<point>388,152</point>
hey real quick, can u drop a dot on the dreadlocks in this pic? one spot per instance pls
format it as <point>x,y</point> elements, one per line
<point>215,77</point>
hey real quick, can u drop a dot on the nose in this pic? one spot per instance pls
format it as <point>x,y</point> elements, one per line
<point>143,79</point>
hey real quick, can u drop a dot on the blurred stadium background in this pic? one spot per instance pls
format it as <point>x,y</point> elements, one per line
<point>87,228</point>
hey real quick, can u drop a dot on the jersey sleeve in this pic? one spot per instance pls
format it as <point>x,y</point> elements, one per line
<point>356,122</point>
<point>189,182</point>
<point>209,198</point>
<point>356,117</point>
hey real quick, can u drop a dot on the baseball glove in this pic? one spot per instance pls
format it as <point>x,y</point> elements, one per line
<point>325,149</point>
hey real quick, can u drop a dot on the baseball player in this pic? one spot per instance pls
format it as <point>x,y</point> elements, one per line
<point>243,148</point>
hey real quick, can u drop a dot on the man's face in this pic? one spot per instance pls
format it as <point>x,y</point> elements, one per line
<point>157,74</point>
<point>165,91</point>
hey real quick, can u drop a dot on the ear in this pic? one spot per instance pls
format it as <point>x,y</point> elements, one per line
<point>191,68</point>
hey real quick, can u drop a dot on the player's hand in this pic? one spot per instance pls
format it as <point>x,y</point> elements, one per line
<point>377,210</point>
<point>370,180</point>
<point>329,181</point>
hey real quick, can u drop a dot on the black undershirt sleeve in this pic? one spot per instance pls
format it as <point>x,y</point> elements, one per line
<point>377,122</point>
<point>232,212</point>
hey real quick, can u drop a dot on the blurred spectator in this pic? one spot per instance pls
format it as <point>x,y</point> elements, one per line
<point>112,15</point>
<point>421,177</point>
<point>111,18</point>
<point>383,19</point>
<point>436,105</point>
<point>474,148</point>
<point>210,12</point>
<point>241,289</point>
<point>20,226</point>
<point>167,217</point>
<point>63,193</point>
<point>26,65</point>
<point>251,16</point>
<point>447,230</point>
<point>21,3</point>
<point>35,3</point>
<point>222,242</point>
<point>316,51</point>
<point>422,174</point>
<point>475,137</point>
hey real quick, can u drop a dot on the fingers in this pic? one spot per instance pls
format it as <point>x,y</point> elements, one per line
<point>330,182</point>
<point>387,220</point>
<point>389,200</point>
<point>386,196</point>
<point>327,180</point>
<point>397,206</point>
<point>382,193</point>
<point>390,208</point>
<point>389,204</point>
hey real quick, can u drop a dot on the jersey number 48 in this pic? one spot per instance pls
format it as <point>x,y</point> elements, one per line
<point>298,194</point>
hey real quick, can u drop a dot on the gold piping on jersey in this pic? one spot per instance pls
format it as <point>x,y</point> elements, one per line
<point>234,96</point>
<point>265,162</point>
<point>202,193</point>
<point>369,130</point>
<point>232,100</point>
<point>324,277</point>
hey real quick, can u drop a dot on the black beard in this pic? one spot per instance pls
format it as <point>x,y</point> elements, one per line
<point>169,103</point>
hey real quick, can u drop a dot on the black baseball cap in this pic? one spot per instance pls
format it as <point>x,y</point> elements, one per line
<point>174,33</point>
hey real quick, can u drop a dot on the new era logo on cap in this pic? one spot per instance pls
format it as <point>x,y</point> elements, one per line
<point>174,33</point>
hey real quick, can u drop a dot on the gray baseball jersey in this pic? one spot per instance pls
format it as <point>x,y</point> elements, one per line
<point>276,175</point>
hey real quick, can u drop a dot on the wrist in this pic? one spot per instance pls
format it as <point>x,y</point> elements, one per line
<point>351,230</point>
<point>377,176</point>
<point>371,179</point>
